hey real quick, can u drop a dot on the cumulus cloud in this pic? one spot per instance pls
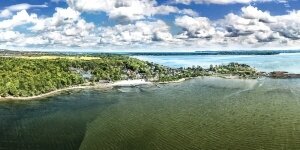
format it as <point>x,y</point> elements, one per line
<point>9,36</point>
<point>251,12</point>
<point>64,28</point>
<point>238,26</point>
<point>20,18</point>
<point>140,32</point>
<point>127,10</point>
<point>5,13</point>
<point>288,25</point>
<point>188,12</point>
<point>250,28</point>
<point>8,11</point>
<point>283,27</point>
<point>123,10</point>
<point>195,27</point>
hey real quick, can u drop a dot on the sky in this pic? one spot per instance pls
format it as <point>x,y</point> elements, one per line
<point>149,25</point>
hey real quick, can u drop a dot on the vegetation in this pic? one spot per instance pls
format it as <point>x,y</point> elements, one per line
<point>27,76</point>
<point>236,69</point>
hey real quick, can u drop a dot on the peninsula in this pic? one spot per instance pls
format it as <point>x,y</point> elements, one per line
<point>26,76</point>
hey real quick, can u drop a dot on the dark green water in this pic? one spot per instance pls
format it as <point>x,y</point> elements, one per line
<point>207,113</point>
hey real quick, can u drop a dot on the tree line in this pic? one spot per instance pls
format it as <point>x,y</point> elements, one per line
<point>21,77</point>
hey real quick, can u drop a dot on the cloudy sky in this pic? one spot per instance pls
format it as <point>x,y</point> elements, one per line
<point>149,25</point>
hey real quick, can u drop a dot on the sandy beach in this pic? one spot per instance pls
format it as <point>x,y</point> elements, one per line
<point>130,83</point>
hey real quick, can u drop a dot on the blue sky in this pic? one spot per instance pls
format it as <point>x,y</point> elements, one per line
<point>149,25</point>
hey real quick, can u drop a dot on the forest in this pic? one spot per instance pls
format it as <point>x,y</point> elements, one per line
<point>23,77</point>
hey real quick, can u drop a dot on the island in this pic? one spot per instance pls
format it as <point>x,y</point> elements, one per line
<point>29,76</point>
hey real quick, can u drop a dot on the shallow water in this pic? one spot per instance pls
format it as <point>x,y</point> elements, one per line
<point>283,62</point>
<point>204,113</point>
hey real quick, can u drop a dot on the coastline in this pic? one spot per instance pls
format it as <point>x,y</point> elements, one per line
<point>223,76</point>
<point>121,83</point>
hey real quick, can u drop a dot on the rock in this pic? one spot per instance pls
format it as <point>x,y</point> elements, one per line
<point>282,75</point>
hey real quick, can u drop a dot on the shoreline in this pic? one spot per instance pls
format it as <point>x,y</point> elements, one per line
<point>223,76</point>
<point>121,83</point>
<point>52,93</point>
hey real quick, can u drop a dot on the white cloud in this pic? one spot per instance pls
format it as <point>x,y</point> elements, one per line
<point>198,27</point>
<point>141,32</point>
<point>30,41</point>
<point>266,27</point>
<point>251,28</point>
<point>20,18</point>
<point>288,25</point>
<point>267,36</point>
<point>251,12</point>
<point>5,13</point>
<point>24,6</point>
<point>8,11</point>
<point>9,36</point>
<point>188,12</point>
<point>239,26</point>
<point>63,16</point>
<point>127,10</point>
<point>92,5</point>
<point>64,28</point>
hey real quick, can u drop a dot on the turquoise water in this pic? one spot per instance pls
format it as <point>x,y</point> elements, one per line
<point>203,113</point>
<point>268,63</point>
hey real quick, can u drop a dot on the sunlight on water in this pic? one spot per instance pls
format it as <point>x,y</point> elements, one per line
<point>268,63</point>
<point>203,113</point>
